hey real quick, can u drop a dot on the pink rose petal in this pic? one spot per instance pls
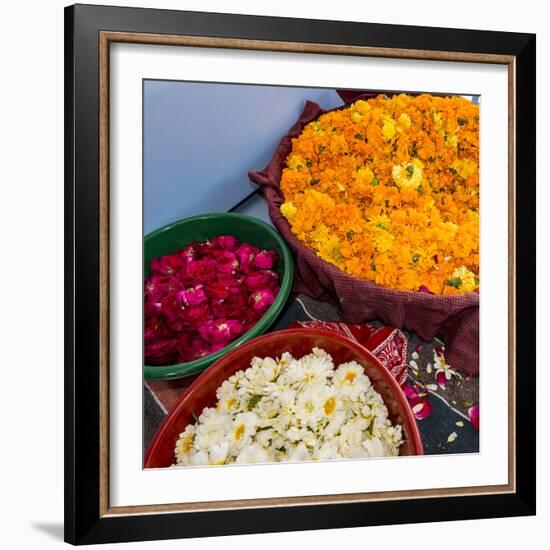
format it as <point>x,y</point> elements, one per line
<point>473,415</point>
<point>261,299</point>
<point>226,261</point>
<point>265,259</point>
<point>189,253</point>
<point>225,241</point>
<point>166,265</point>
<point>220,331</point>
<point>201,270</point>
<point>410,392</point>
<point>192,296</point>
<point>246,254</point>
<point>260,279</point>
<point>161,352</point>
<point>421,408</point>
<point>425,289</point>
<point>441,379</point>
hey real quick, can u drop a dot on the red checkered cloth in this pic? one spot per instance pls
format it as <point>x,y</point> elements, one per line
<point>388,344</point>
<point>455,317</point>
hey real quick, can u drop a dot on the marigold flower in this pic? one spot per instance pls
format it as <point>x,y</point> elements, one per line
<point>387,190</point>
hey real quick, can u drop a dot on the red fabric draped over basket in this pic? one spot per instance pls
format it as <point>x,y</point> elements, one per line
<point>455,317</point>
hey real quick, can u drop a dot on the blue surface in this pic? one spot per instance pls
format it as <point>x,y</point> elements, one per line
<point>255,206</point>
<point>200,141</point>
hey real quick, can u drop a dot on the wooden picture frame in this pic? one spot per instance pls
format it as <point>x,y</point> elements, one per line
<point>89,33</point>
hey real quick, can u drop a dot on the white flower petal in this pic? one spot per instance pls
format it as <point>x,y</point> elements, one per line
<point>315,410</point>
<point>452,437</point>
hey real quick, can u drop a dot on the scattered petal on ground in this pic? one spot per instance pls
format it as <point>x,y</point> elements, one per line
<point>441,380</point>
<point>473,415</point>
<point>452,437</point>
<point>421,408</point>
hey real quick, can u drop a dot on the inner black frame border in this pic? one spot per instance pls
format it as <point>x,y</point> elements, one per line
<point>83,522</point>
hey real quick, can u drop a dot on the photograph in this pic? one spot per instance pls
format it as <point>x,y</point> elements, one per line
<point>302,303</point>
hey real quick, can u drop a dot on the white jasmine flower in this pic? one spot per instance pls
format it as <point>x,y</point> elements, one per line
<point>290,409</point>
<point>374,447</point>
<point>244,426</point>
<point>309,369</point>
<point>295,434</point>
<point>210,429</point>
<point>218,453</point>
<point>200,458</point>
<point>352,431</point>
<point>346,374</point>
<point>328,450</point>
<point>332,429</point>
<point>253,454</point>
<point>350,380</point>
<point>298,453</point>
<point>442,367</point>
<point>310,403</point>
<point>184,444</point>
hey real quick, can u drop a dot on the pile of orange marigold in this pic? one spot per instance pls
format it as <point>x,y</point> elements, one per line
<point>387,190</point>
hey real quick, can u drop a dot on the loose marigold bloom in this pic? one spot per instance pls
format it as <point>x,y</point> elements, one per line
<point>387,190</point>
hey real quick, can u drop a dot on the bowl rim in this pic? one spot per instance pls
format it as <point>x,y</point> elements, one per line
<point>415,439</point>
<point>189,368</point>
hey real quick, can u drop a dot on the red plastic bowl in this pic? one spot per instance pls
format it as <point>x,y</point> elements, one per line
<point>299,342</point>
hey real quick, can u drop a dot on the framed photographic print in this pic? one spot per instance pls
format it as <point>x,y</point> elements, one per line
<point>299,274</point>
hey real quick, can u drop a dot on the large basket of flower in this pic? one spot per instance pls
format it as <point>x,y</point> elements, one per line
<point>379,202</point>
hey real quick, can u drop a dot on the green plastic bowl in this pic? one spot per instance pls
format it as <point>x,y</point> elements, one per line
<point>175,236</point>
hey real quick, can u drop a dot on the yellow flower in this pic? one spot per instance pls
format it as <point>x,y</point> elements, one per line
<point>467,279</point>
<point>288,209</point>
<point>388,128</point>
<point>363,176</point>
<point>408,176</point>
<point>452,141</point>
<point>438,120</point>
<point>383,241</point>
<point>329,250</point>
<point>404,121</point>
<point>381,221</point>
<point>465,167</point>
<point>362,107</point>
<point>295,162</point>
